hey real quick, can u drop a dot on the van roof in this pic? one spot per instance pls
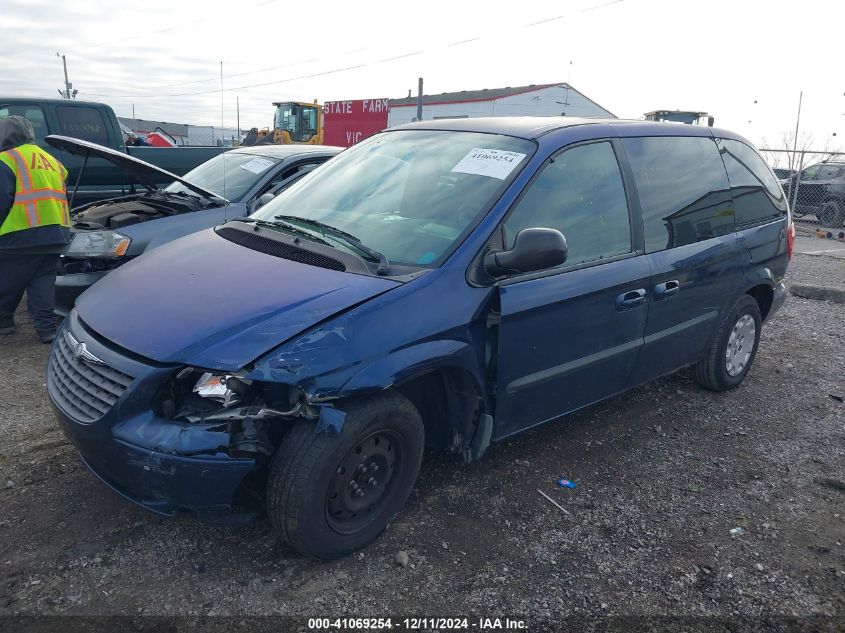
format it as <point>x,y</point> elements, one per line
<point>533,127</point>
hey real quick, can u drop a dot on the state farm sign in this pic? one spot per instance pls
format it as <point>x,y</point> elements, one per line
<point>347,122</point>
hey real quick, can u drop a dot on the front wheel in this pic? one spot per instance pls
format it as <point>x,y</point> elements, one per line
<point>733,348</point>
<point>329,495</point>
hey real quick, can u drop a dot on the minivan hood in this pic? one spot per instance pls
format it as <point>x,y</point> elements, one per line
<point>204,301</point>
<point>145,172</point>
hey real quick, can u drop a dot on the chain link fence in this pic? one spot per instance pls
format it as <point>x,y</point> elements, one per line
<point>814,183</point>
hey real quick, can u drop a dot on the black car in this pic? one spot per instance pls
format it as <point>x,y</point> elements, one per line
<point>782,173</point>
<point>819,190</point>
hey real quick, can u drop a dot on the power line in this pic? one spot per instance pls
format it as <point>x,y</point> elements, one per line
<point>263,84</point>
<point>334,70</point>
<point>251,72</point>
<point>164,30</point>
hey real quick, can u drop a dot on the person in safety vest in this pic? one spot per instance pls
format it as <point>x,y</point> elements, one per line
<point>34,227</point>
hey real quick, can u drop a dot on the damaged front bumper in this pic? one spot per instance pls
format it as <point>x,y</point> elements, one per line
<point>163,465</point>
<point>166,484</point>
<point>70,286</point>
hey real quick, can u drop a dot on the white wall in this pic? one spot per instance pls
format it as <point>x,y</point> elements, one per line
<point>552,101</point>
<point>405,114</point>
<point>549,102</point>
<point>209,135</point>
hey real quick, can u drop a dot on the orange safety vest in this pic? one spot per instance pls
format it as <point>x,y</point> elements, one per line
<point>40,191</point>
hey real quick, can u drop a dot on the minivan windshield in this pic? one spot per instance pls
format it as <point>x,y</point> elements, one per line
<point>230,175</point>
<point>409,194</point>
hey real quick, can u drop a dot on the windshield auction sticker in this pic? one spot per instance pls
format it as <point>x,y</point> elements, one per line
<point>495,163</point>
<point>257,165</point>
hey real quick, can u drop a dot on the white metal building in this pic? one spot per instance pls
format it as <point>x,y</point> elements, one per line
<point>184,133</point>
<point>535,100</point>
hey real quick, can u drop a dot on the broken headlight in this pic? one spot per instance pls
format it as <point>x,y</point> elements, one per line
<point>98,244</point>
<point>217,387</point>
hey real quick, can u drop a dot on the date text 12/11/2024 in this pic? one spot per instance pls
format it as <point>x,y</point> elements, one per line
<point>416,624</point>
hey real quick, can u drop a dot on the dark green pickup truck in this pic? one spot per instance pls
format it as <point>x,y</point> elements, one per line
<point>96,122</point>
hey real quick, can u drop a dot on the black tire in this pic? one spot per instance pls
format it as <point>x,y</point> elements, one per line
<point>831,214</point>
<point>311,505</point>
<point>712,371</point>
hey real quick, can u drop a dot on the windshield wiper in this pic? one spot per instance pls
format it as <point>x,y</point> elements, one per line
<point>196,196</point>
<point>290,228</point>
<point>383,262</point>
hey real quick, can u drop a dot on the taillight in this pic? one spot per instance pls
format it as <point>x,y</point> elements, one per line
<point>790,239</point>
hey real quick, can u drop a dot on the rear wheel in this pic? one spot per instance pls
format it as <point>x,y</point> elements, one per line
<point>733,348</point>
<point>330,495</point>
<point>832,214</point>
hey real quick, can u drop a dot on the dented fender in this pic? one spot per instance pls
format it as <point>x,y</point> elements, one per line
<point>371,347</point>
<point>413,361</point>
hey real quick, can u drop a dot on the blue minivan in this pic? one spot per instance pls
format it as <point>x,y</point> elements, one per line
<point>444,284</point>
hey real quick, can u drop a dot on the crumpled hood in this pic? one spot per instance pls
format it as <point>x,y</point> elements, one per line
<point>141,170</point>
<point>204,301</point>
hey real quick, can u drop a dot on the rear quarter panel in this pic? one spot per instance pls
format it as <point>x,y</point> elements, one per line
<point>764,253</point>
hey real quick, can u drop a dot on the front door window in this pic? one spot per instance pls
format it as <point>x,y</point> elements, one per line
<point>580,193</point>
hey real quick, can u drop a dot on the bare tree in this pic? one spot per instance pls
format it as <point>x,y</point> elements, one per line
<point>806,151</point>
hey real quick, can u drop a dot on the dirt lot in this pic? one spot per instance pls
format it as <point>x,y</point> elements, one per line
<point>665,475</point>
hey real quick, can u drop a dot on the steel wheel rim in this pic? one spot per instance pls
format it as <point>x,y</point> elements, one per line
<point>363,481</point>
<point>740,345</point>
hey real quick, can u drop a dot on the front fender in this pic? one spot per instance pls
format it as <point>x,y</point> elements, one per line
<point>412,361</point>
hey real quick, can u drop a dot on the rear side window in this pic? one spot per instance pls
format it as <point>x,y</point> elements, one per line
<point>757,195</point>
<point>32,113</point>
<point>579,193</point>
<point>84,123</point>
<point>684,192</point>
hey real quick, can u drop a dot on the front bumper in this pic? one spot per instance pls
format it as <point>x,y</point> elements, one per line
<point>70,286</point>
<point>162,465</point>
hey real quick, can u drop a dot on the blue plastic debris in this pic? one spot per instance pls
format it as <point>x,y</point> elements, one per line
<point>565,483</point>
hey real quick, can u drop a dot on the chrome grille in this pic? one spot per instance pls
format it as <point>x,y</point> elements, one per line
<point>80,383</point>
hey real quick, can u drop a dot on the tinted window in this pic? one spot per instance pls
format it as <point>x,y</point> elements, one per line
<point>811,173</point>
<point>683,189</point>
<point>757,195</point>
<point>829,172</point>
<point>580,193</point>
<point>295,169</point>
<point>84,123</point>
<point>32,113</point>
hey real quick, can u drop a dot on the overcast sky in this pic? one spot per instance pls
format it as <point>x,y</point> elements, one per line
<point>744,61</point>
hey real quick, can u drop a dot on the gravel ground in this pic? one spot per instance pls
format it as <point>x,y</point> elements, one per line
<point>688,503</point>
<point>818,269</point>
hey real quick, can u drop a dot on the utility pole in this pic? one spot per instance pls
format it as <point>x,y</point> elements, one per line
<point>797,122</point>
<point>419,99</point>
<point>238,108</point>
<point>67,93</point>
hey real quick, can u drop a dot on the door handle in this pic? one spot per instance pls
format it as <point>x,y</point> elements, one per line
<point>666,289</point>
<point>630,299</point>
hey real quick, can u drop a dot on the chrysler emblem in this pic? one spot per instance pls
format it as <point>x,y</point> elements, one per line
<point>80,351</point>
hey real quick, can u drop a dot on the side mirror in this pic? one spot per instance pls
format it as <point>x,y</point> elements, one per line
<point>534,249</point>
<point>264,199</point>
